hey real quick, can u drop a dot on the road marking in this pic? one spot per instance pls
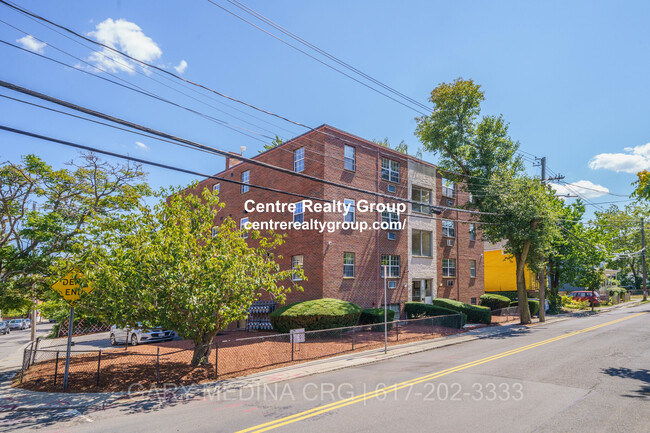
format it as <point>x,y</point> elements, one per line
<point>411,382</point>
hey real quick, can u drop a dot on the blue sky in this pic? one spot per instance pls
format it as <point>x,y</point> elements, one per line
<point>570,77</point>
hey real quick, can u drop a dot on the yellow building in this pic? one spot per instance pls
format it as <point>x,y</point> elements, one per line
<point>501,271</point>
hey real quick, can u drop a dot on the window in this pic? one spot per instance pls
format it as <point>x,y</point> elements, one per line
<point>296,263</point>
<point>348,265</point>
<point>471,198</point>
<point>389,170</point>
<point>447,187</point>
<point>299,160</point>
<point>348,215</point>
<point>450,282</point>
<point>243,225</point>
<point>472,268</point>
<point>421,243</point>
<point>450,202</point>
<point>392,284</point>
<point>390,218</point>
<point>473,301</point>
<point>215,187</point>
<point>298,213</point>
<point>391,188</point>
<point>391,236</point>
<point>422,196</point>
<point>448,229</point>
<point>472,232</point>
<point>245,178</point>
<point>392,262</point>
<point>215,231</point>
<point>448,267</point>
<point>350,160</point>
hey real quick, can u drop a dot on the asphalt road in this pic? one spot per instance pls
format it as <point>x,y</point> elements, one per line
<point>11,344</point>
<point>587,374</point>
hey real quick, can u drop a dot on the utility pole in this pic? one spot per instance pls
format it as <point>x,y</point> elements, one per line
<point>644,284</point>
<point>33,312</point>
<point>542,274</point>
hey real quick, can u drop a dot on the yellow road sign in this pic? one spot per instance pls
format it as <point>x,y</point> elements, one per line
<point>69,288</point>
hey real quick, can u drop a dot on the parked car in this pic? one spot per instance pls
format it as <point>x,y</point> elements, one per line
<point>143,334</point>
<point>17,324</point>
<point>4,327</point>
<point>586,295</point>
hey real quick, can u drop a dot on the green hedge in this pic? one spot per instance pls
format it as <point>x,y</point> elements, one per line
<point>371,316</point>
<point>475,313</point>
<point>316,314</point>
<point>510,294</point>
<point>620,290</point>
<point>533,306</point>
<point>495,302</point>
<point>416,310</point>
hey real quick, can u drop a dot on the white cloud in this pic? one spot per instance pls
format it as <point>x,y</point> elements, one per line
<point>31,43</point>
<point>636,159</point>
<point>142,146</point>
<point>585,188</point>
<point>180,68</point>
<point>124,36</point>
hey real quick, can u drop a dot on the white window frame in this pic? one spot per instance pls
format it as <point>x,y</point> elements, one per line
<point>349,216</point>
<point>299,213</point>
<point>421,252</point>
<point>392,285</point>
<point>448,189</point>
<point>245,178</point>
<point>424,206</point>
<point>392,236</point>
<point>390,170</point>
<point>448,229</point>
<point>472,232</point>
<point>296,263</point>
<point>393,265</point>
<point>242,227</point>
<point>448,271</point>
<point>472,268</point>
<point>215,231</point>
<point>216,187</point>
<point>349,162</point>
<point>349,264</point>
<point>392,218</point>
<point>299,160</point>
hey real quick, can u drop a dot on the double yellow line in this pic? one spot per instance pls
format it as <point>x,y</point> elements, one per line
<point>392,388</point>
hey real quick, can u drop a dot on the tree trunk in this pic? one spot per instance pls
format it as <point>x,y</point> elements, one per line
<point>522,296</point>
<point>203,348</point>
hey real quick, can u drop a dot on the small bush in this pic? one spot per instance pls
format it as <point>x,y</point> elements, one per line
<point>569,302</point>
<point>495,302</point>
<point>371,316</point>
<point>510,294</point>
<point>533,306</point>
<point>475,313</point>
<point>416,310</point>
<point>316,314</point>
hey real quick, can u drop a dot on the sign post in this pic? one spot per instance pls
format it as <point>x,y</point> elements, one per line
<point>385,311</point>
<point>70,289</point>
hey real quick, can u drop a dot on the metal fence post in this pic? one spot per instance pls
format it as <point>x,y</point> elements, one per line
<point>397,330</point>
<point>291,337</point>
<point>353,334</point>
<point>216,359</point>
<point>99,361</point>
<point>56,366</point>
<point>158,365</point>
<point>22,367</point>
<point>432,326</point>
<point>33,357</point>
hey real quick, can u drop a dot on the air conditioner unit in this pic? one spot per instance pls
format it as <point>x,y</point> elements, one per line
<point>450,242</point>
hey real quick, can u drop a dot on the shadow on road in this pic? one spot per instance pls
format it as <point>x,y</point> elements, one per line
<point>642,375</point>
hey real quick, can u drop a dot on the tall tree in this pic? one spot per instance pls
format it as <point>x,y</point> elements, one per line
<point>479,153</point>
<point>169,265</point>
<point>43,213</point>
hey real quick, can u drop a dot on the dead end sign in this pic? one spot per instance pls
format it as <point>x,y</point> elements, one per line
<point>69,288</point>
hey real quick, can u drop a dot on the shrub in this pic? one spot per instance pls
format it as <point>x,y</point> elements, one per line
<point>370,316</point>
<point>533,306</point>
<point>323,313</point>
<point>569,302</point>
<point>416,310</point>
<point>495,302</point>
<point>510,294</point>
<point>475,313</point>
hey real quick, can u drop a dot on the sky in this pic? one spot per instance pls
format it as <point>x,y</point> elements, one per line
<point>569,77</point>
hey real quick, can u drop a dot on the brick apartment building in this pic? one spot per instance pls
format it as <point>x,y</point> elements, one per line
<point>432,256</point>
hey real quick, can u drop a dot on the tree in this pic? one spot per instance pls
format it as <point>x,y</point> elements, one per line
<point>642,185</point>
<point>166,265</point>
<point>277,141</point>
<point>402,147</point>
<point>43,213</point>
<point>479,153</point>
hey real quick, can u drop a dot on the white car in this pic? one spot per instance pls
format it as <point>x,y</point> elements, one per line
<point>134,336</point>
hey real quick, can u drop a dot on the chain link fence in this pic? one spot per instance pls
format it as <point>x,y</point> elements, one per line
<point>151,365</point>
<point>502,315</point>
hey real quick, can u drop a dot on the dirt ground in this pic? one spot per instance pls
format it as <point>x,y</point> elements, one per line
<point>239,353</point>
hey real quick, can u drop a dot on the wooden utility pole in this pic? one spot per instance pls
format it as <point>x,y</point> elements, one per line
<point>644,282</point>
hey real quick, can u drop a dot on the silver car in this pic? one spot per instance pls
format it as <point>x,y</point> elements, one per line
<point>18,324</point>
<point>142,334</point>
<point>4,327</point>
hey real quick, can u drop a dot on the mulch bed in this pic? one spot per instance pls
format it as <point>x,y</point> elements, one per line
<point>151,365</point>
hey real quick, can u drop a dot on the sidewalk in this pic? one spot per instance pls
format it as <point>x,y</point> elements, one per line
<point>16,399</point>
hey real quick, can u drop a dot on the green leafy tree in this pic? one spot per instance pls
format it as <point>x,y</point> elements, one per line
<point>43,213</point>
<point>166,265</point>
<point>277,141</point>
<point>479,153</point>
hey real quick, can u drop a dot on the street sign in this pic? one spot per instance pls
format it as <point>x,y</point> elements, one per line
<point>69,288</point>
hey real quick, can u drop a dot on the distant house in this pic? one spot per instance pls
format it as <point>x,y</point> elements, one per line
<point>501,270</point>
